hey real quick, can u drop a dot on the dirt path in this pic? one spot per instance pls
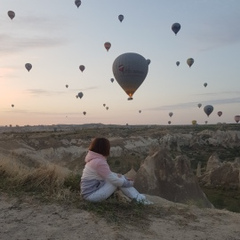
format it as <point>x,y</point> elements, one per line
<point>33,221</point>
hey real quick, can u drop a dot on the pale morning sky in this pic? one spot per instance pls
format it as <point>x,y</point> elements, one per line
<point>56,37</point>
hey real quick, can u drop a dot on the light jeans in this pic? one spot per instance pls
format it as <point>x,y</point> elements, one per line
<point>108,189</point>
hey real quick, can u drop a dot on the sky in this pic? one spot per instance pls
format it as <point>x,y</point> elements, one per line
<point>56,37</point>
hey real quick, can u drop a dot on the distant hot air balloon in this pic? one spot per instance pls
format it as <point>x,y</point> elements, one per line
<point>237,118</point>
<point>82,67</point>
<point>169,122</point>
<point>177,63</point>
<point>190,62</point>
<point>205,84</point>
<point>11,14</point>
<point>194,122</point>
<point>84,113</point>
<point>66,86</point>
<point>78,3</point>
<point>107,108</point>
<point>206,122</point>
<point>107,45</point>
<point>80,95</point>
<point>120,17</point>
<point>140,111</point>
<point>176,27</point>
<point>208,109</point>
<point>12,105</point>
<point>112,79</point>
<point>170,114</point>
<point>28,66</point>
<point>199,105</point>
<point>104,104</point>
<point>219,113</point>
<point>130,70</point>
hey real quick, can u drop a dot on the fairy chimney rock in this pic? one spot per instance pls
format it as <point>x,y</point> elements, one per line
<point>172,179</point>
<point>213,162</point>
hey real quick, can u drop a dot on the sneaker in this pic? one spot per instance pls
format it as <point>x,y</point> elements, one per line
<point>144,202</point>
<point>147,202</point>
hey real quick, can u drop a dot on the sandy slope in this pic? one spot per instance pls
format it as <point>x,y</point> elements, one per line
<point>31,220</point>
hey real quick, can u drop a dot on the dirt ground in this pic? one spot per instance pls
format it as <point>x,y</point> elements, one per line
<point>33,220</point>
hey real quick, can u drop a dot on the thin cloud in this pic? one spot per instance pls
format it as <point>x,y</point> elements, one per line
<point>218,93</point>
<point>217,30</point>
<point>12,44</point>
<point>42,92</point>
<point>24,111</point>
<point>194,104</point>
<point>33,32</point>
<point>18,111</point>
<point>84,89</point>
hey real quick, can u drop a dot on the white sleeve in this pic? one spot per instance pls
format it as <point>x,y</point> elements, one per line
<point>115,180</point>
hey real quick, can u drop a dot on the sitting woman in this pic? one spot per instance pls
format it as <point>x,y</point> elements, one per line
<point>98,182</point>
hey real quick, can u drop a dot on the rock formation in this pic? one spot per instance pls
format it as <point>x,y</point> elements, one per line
<point>172,179</point>
<point>130,145</point>
<point>221,174</point>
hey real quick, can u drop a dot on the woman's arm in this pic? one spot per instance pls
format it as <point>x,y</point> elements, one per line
<point>118,180</point>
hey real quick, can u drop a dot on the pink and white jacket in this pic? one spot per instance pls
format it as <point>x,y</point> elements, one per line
<point>96,172</point>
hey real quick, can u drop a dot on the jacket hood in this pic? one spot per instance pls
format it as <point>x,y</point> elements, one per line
<point>93,155</point>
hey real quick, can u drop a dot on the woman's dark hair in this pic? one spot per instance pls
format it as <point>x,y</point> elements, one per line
<point>101,146</point>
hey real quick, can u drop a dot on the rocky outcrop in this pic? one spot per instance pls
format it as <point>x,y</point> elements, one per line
<point>129,147</point>
<point>206,137</point>
<point>172,179</point>
<point>213,163</point>
<point>221,174</point>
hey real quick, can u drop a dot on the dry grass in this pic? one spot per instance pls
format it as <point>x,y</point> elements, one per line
<point>16,178</point>
<point>50,183</point>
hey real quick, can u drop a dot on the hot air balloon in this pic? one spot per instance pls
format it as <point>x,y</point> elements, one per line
<point>140,111</point>
<point>208,109</point>
<point>76,96</point>
<point>107,45</point>
<point>130,70</point>
<point>120,17</point>
<point>199,105</point>
<point>82,67</point>
<point>104,104</point>
<point>28,66</point>
<point>66,86</point>
<point>112,79</point>
<point>206,122</point>
<point>177,63</point>
<point>205,84</point>
<point>237,118</point>
<point>170,114</point>
<point>80,95</point>
<point>194,122</point>
<point>219,113</point>
<point>176,27</point>
<point>169,122</point>
<point>12,105</point>
<point>190,62</point>
<point>11,14</point>
<point>84,113</point>
<point>78,3</point>
<point>107,108</point>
